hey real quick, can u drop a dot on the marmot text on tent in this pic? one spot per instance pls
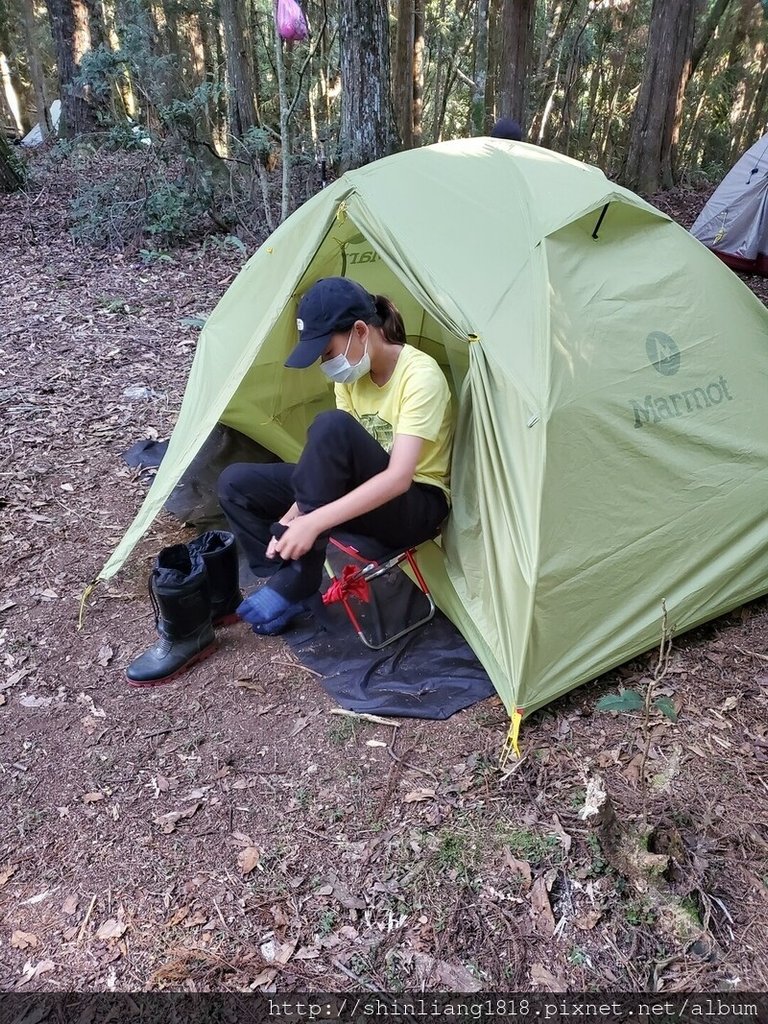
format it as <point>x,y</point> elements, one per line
<point>654,409</point>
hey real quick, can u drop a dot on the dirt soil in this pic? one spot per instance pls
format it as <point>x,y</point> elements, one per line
<point>228,832</point>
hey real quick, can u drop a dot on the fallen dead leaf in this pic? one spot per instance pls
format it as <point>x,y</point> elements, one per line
<point>199,917</point>
<point>587,921</point>
<point>92,798</point>
<point>418,796</point>
<point>541,909</point>
<point>69,906</point>
<point>449,977</point>
<point>7,873</point>
<point>111,929</point>
<point>24,940</point>
<point>248,859</point>
<point>307,953</point>
<point>265,977</point>
<point>545,980</point>
<point>70,933</point>
<point>105,655</point>
<point>241,839</point>
<point>518,867</point>
<point>178,917</point>
<point>16,677</point>
<point>167,822</point>
<point>31,700</point>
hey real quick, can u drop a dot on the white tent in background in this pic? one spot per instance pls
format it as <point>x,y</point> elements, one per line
<point>734,223</point>
<point>34,137</point>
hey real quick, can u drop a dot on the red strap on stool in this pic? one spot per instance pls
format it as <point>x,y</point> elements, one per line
<point>350,584</point>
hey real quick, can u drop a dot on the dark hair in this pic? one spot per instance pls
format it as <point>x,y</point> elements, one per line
<point>391,322</point>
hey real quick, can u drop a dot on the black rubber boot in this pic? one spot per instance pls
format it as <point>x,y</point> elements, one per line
<point>180,593</point>
<point>220,556</point>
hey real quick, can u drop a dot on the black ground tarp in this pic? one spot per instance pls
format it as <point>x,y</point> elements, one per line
<point>429,673</point>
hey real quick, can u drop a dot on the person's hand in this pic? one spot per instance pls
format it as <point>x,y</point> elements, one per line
<point>297,539</point>
<point>272,548</point>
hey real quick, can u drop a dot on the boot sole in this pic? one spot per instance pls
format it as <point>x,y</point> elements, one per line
<point>227,620</point>
<point>145,684</point>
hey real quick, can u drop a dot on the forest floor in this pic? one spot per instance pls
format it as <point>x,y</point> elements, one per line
<point>226,832</point>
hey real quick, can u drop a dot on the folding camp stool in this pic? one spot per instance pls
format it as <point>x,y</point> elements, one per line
<point>353,563</point>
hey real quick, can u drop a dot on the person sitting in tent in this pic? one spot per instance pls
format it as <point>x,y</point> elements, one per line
<point>378,464</point>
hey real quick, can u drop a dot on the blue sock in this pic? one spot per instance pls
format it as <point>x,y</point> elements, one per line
<point>268,612</point>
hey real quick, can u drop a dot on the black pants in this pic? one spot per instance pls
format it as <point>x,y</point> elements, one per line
<point>339,455</point>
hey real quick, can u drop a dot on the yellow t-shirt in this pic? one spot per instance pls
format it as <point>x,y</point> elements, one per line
<point>415,400</point>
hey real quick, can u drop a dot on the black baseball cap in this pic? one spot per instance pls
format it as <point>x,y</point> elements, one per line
<point>507,128</point>
<point>332,304</point>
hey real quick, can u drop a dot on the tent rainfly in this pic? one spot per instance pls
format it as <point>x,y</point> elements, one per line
<point>734,222</point>
<point>610,379</point>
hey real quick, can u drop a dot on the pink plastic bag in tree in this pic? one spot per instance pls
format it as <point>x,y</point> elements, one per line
<point>291,23</point>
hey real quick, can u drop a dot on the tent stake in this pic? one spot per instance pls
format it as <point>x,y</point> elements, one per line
<point>600,220</point>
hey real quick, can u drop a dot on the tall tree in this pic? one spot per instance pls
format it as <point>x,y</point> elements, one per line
<point>403,72</point>
<point>10,172</point>
<point>417,71</point>
<point>656,120</point>
<point>367,125</point>
<point>35,65</point>
<point>517,20</point>
<point>479,126</point>
<point>71,36</point>
<point>242,83</point>
<point>11,80</point>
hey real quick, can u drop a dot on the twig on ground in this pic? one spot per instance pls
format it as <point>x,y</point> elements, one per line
<point>162,732</point>
<point>662,667</point>
<point>86,919</point>
<point>411,767</point>
<point>296,665</point>
<point>750,654</point>
<point>366,717</point>
<point>319,835</point>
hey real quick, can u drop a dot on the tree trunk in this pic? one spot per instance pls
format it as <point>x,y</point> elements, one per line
<point>706,32</point>
<point>17,94</point>
<point>494,51</point>
<point>242,100</point>
<point>418,71</point>
<point>10,175</point>
<point>757,121</point>
<point>517,18</point>
<point>403,72</point>
<point>367,126</point>
<point>737,74</point>
<point>35,66</point>
<point>479,125</point>
<point>439,78</point>
<point>656,119</point>
<point>71,37</point>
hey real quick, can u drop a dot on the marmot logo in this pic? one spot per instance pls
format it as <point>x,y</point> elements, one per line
<point>663,353</point>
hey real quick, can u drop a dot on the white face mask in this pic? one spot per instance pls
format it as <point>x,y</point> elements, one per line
<point>341,371</point>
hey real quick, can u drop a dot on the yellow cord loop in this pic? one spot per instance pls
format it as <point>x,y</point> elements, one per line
<point>512,741</point>
<point>86,594</point>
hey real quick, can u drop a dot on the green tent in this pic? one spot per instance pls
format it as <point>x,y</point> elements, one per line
<point>610,383</point>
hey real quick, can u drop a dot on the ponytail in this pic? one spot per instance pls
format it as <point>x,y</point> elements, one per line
<point>391,322</point>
